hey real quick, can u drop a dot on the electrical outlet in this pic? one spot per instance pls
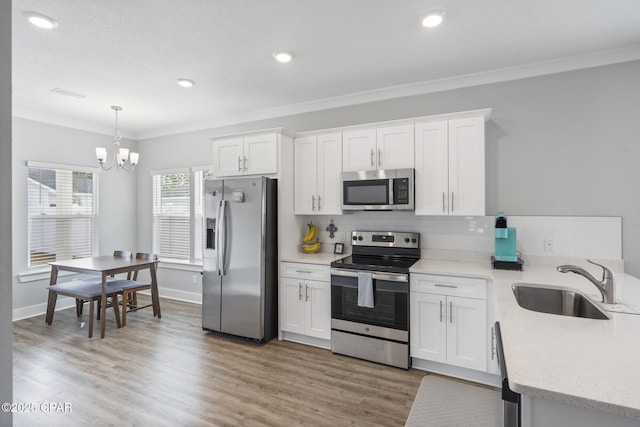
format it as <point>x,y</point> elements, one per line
<point>548,245</point>
<point>195,279</point>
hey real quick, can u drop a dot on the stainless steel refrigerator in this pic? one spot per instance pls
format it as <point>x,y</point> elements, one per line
<point>240,279</point>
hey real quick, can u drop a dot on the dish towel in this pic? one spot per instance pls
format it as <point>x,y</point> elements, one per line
<point>365,290</point>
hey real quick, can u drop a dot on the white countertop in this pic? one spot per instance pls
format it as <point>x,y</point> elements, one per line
<point>586,362</point>
<point>324,258</point>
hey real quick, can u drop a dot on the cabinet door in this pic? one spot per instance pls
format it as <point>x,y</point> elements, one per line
<point>432,168</point>
<point>467,333</point>
<point>318,309</point>
<point>395,147</point>
<point>329,169</point>
<point>428,338</point>
<point>466,166</point>
<point>359,150</point>
<point>228,155</point>
<point>292,305</point>
<point>261,154</point>
<point>306,175</point>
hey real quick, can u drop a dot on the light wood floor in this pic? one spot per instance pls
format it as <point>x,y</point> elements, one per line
<point>168,372</point>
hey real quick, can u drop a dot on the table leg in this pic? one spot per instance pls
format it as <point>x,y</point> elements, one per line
<point>51,304</point>
<point>103,309</point>
<point>155,298</point>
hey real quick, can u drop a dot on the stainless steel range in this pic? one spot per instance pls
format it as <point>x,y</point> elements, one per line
<point>370,297</point>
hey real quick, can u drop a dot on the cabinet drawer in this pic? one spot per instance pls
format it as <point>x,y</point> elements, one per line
<point>449,285</point>
<point>305,271</point>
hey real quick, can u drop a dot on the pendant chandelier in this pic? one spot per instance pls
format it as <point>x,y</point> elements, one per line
<point>120,155</point>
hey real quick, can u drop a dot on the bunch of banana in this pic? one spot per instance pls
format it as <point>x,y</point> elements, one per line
<point>312,232</point>
<point>311,247</point>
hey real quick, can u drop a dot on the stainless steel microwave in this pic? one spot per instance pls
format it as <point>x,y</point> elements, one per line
<point>381,190</point>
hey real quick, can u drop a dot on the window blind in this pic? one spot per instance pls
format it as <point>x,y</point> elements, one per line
<point>61,214</point>
<point>172,215</point>
<point>178,213</point>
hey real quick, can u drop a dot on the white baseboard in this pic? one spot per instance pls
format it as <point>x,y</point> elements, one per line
<point>65,302</point>
<point>41,309</point>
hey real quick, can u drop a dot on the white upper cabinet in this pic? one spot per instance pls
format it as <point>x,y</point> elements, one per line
<point>318,163</point>
<point>246,155</point>
<point>383,148</point>
<point>395,147</point>
<point>450,167</point>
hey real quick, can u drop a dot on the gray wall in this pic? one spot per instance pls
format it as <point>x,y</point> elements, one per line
<point>6,326</point>
<point>116,204</point>
<point>562,144</point>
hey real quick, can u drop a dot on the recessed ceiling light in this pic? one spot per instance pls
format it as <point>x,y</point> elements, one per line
<point>185,82</point>
<point>433,19</point>
<point>40,20</point>
<point>283,56</point>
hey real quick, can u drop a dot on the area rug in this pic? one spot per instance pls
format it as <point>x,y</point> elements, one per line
<point>443,402</point>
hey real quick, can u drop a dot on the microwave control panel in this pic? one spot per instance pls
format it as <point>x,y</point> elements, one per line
<point>401,191</point>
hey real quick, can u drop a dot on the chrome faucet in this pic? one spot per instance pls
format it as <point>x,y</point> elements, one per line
<point>606,286</point>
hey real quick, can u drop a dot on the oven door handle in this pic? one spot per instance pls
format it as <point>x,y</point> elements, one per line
<point>389,277</point>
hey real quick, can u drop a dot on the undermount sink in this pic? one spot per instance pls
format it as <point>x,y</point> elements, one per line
<point>554,300</point>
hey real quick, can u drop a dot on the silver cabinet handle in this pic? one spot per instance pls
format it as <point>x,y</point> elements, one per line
<point>373,163</point>
<point>493,345</point>
<point>452,199</point>
<point>443,202</point>
<point>318,202</point>
<point>313,203</point>
<point>239,164</point>
<point>245,163</point>
<point>299,291</point>
<point>303,271</point>
<point>306,293</point>
<point>379,157</point>
<point>440,311</point>
<point>445,286</point>
<point>450,312</point>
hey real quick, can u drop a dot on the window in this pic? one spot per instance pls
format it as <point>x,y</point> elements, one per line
<point>178,214</point>
<point>61,209</point>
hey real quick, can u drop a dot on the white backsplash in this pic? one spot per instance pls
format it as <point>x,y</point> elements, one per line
<point>471,238</point>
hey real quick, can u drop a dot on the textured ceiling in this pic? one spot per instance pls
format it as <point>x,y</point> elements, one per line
<point>130,52</point>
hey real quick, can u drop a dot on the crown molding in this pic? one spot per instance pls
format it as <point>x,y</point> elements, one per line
<point>69,122</point>
<point>591,60</point>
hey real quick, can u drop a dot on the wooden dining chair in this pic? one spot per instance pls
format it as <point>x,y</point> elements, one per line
<point>83,292</point>
<point>130,290</point>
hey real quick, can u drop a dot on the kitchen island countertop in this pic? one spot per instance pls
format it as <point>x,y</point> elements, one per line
<point>584,362</point>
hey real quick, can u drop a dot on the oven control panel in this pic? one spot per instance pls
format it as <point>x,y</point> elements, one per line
<point>390,239</point>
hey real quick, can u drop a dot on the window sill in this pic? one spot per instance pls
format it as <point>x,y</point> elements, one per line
<point>173,264</point>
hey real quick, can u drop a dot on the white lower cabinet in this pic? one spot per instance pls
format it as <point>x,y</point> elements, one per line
<point>449,320</point>
<point>305,301</point>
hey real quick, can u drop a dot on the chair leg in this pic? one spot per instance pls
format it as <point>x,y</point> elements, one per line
<point>99,311</point>
<point>79,304</point>
<point>116,310</point>
<point>91,313</point>
<point>125,305</point>
<point>51,306</point>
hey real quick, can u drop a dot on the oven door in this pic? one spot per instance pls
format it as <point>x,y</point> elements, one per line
<point>389,318</point>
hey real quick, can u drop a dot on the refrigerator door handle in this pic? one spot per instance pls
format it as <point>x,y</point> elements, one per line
<point>223,237</point>
<point>217,242</point>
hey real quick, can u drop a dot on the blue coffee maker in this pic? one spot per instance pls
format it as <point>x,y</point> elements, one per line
<point>506,256</point>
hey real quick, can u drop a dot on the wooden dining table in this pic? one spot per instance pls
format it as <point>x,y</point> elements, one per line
<point>105,266</point>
